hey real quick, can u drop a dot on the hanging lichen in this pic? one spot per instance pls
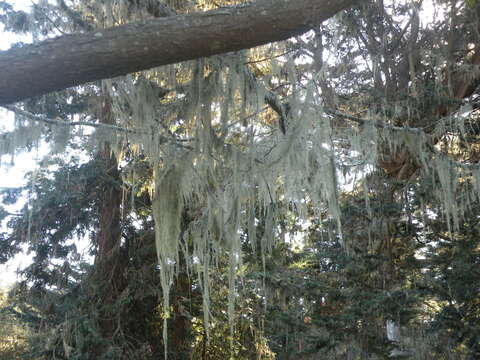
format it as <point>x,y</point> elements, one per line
<point>238,134</point>
<point>167,205</point>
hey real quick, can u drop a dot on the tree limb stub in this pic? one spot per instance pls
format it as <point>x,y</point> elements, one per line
<point>76,59</point>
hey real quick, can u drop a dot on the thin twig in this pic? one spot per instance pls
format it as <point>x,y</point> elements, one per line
<point>270,57</point>
<point>74,16</point>
<point>48,18</point>
<point>29,115</point>
<point>382,125</point>
<point>376,123</point>
<point>44,119</point>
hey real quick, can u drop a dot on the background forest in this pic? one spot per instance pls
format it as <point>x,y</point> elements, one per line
<point>315,198</point>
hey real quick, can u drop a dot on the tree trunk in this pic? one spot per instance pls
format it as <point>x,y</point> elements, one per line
<point>76,59</point>
<point>180,325</point>
<point>108,262</point>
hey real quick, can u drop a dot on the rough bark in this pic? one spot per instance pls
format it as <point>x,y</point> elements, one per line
<point>76,59</point>
<point>180,325</point>
<point>109,265</point>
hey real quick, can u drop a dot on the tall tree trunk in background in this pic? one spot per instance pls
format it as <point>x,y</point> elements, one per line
<point>180,323</point>
<point>108,262</point>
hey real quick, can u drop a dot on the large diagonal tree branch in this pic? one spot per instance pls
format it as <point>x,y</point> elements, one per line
<point>76,59</point>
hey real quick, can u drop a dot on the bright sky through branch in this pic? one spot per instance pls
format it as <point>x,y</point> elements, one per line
<point>12,174</point>
<point>8,38</point>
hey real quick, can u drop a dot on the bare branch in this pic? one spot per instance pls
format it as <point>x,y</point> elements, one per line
<point>46,120</point>
<point>76,59</point>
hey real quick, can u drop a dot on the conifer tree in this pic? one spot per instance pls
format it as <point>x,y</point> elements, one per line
<point>305,197</point>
